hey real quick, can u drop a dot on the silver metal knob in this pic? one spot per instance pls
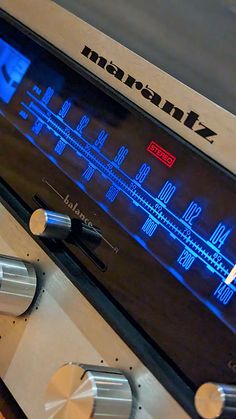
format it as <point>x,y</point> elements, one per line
<point>81,391</point>
<point>18,283</point>
<point>50,224</point>
<point>214,400</point>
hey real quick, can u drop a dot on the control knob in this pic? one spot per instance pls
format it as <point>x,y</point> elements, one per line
<point>216,401</point>
<point>18,283</point>
<point>50,224</point>
<point>54,225</point>
<point>85,391</point>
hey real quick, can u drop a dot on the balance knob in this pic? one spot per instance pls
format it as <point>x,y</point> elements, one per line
<point>84,391</point>
<point>54,225</point>
<point>216,401</point>
<point>50,224</point>
<point>18,283</point>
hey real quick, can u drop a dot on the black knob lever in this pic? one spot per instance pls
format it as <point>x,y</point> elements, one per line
<point>58,226</point>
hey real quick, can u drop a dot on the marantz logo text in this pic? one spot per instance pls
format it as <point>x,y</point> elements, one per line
<point>189,119</point>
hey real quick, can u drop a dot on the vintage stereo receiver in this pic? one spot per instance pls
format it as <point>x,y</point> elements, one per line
<point>118,229</point>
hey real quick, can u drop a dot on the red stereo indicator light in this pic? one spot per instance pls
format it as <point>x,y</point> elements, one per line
<point>161,154</point>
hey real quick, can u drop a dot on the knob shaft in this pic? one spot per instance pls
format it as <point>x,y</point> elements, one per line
<point>214,400</point>
<point>50,224</point>
<point>18,283</point>
<point>80,391</point>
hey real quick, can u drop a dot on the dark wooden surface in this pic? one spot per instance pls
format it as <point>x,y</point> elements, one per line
<point>193,40</point>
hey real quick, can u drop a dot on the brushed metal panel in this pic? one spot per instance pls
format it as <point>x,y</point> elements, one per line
<point>62,327</point>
